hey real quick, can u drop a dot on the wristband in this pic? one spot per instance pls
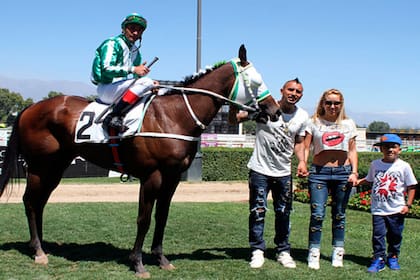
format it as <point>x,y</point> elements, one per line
<point>409,206</point>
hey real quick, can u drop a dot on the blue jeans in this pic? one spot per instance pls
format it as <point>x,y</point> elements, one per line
<point>281,192</point>
<point>391,227</point>
<point>322,182</point>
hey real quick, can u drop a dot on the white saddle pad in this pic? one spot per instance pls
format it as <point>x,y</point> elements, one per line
<point>89,131</point>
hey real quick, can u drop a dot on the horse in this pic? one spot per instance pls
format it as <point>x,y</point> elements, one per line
<point>44,136</point>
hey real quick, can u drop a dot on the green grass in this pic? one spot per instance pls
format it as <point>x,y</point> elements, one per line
<point>203,240</point>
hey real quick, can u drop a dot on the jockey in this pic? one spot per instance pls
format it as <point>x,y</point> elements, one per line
<point>118,70</point>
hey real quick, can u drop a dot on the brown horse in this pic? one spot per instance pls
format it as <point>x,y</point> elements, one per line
<point>44,134</point>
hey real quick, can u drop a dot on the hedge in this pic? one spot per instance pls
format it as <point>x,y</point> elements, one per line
<point>229,164</point>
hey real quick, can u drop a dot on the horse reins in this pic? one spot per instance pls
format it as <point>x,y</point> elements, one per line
<point>114,141</point>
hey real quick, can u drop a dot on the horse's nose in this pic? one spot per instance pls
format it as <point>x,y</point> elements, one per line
<point>276,116</point>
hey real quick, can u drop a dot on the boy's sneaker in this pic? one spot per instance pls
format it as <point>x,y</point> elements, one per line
<point>393,263</point>
<point>337,257</point>
<point>257,259</point>
<point>286,260</point>
<point>313,258</point>
<point>377,265</point>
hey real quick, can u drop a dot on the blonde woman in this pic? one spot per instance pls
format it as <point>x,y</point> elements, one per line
<point>331,135</point>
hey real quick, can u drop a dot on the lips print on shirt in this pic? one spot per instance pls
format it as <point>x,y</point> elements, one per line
<point>332,138</point>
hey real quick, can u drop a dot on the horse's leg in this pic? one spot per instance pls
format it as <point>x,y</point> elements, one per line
<point>161,217</point>
<point>35,197</point>
<point>146,201</point>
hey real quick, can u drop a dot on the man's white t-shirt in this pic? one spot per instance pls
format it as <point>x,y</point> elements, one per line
<point>274,144</point>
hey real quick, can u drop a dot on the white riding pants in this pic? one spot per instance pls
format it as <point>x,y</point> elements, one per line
<point>108,93</point>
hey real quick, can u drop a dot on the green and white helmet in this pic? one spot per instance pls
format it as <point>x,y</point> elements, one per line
<point>134,18</point>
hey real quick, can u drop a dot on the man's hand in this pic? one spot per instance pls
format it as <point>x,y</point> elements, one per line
<point>302,169</point>
<point>262,117</point>
<point>156,88</point>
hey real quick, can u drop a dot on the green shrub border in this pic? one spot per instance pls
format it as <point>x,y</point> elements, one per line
<point>230,164</point>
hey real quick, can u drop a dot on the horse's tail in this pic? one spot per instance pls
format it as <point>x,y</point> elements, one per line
<point>10,161</point>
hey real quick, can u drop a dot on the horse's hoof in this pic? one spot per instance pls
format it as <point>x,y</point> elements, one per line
<point>168,267</point>
<point>42,259</point>
<point>143,275</point>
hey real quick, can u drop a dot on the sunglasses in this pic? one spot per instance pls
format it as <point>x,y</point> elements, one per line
<point>329,103</point>
<point>294,89</point>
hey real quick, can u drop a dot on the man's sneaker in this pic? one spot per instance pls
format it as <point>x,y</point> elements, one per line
<point>257,259</point>
<point>393,263</point>
<point>337,257</point>
<point>377,265</point>
<point>286,260</point>
<point>313,258</point>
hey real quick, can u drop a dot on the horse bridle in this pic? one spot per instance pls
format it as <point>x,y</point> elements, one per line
<point>240,72</point>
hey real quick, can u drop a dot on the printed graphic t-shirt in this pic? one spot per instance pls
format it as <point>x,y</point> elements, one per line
<point>274,144</point>
<point>330,135</point>
<point>389,185</point>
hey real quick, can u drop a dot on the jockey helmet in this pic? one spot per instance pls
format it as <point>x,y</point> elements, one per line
<point>136,19</point>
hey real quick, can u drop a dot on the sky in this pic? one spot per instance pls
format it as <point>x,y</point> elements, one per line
<point>368,49</point>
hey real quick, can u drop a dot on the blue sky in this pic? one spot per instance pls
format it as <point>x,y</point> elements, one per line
<point>369,49</point>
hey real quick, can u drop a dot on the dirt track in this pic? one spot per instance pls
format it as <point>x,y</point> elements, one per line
<point>128,192</point>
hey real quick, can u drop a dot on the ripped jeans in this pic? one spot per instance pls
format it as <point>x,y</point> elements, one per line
<point>322,182</point>
<point>281,192</point>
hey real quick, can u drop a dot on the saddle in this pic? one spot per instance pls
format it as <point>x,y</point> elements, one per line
<point>88,131</point>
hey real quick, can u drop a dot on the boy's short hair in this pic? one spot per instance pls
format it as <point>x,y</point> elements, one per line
<point>389,138</point>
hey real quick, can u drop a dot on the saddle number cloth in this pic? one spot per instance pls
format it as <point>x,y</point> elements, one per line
<point>89,131</point>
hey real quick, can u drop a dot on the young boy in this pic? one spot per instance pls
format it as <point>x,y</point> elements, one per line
<point>391,179</point>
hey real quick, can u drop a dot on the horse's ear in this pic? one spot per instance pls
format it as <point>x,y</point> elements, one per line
<point>242,55</point>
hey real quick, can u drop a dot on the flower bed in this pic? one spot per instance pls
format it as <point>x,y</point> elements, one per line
<point>359,201</point>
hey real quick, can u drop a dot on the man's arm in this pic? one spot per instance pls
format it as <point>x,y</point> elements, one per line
<point>299,149</point>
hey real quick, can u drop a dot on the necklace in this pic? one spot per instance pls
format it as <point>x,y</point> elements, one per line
<point>287,113</point>
<point>287,121</point>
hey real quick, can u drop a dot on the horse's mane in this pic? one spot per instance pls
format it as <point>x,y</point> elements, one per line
<point>194,77</point>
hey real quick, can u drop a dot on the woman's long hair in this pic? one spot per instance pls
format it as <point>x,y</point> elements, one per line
<point>320,111</point>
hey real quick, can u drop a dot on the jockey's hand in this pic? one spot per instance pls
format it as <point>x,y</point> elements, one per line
<point>141,70</point>
<point>156,89</point>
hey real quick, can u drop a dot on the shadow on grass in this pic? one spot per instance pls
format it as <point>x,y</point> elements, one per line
<point>103,252</point>
<point>98,251</point>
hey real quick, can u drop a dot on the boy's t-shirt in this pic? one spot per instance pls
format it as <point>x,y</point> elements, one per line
<point>389,186</point>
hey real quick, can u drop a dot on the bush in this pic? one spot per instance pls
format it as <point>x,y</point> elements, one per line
<point>359,201</point>
<point>362,201</point>
<point>230,164</point>
<point>227,164</point>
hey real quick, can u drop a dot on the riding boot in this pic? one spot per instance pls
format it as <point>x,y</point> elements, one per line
<point>115,118</point>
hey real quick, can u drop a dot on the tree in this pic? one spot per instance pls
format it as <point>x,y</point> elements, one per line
<point>378,126</point>
<point>11,104</point>
<point>53,94</point>
<point>249,127</point>
<point>91,97</point>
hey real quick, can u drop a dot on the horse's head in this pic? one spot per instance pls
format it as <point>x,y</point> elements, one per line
<point>249,88</point>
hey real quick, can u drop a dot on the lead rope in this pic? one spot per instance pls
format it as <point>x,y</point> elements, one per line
<point>208,92</point>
